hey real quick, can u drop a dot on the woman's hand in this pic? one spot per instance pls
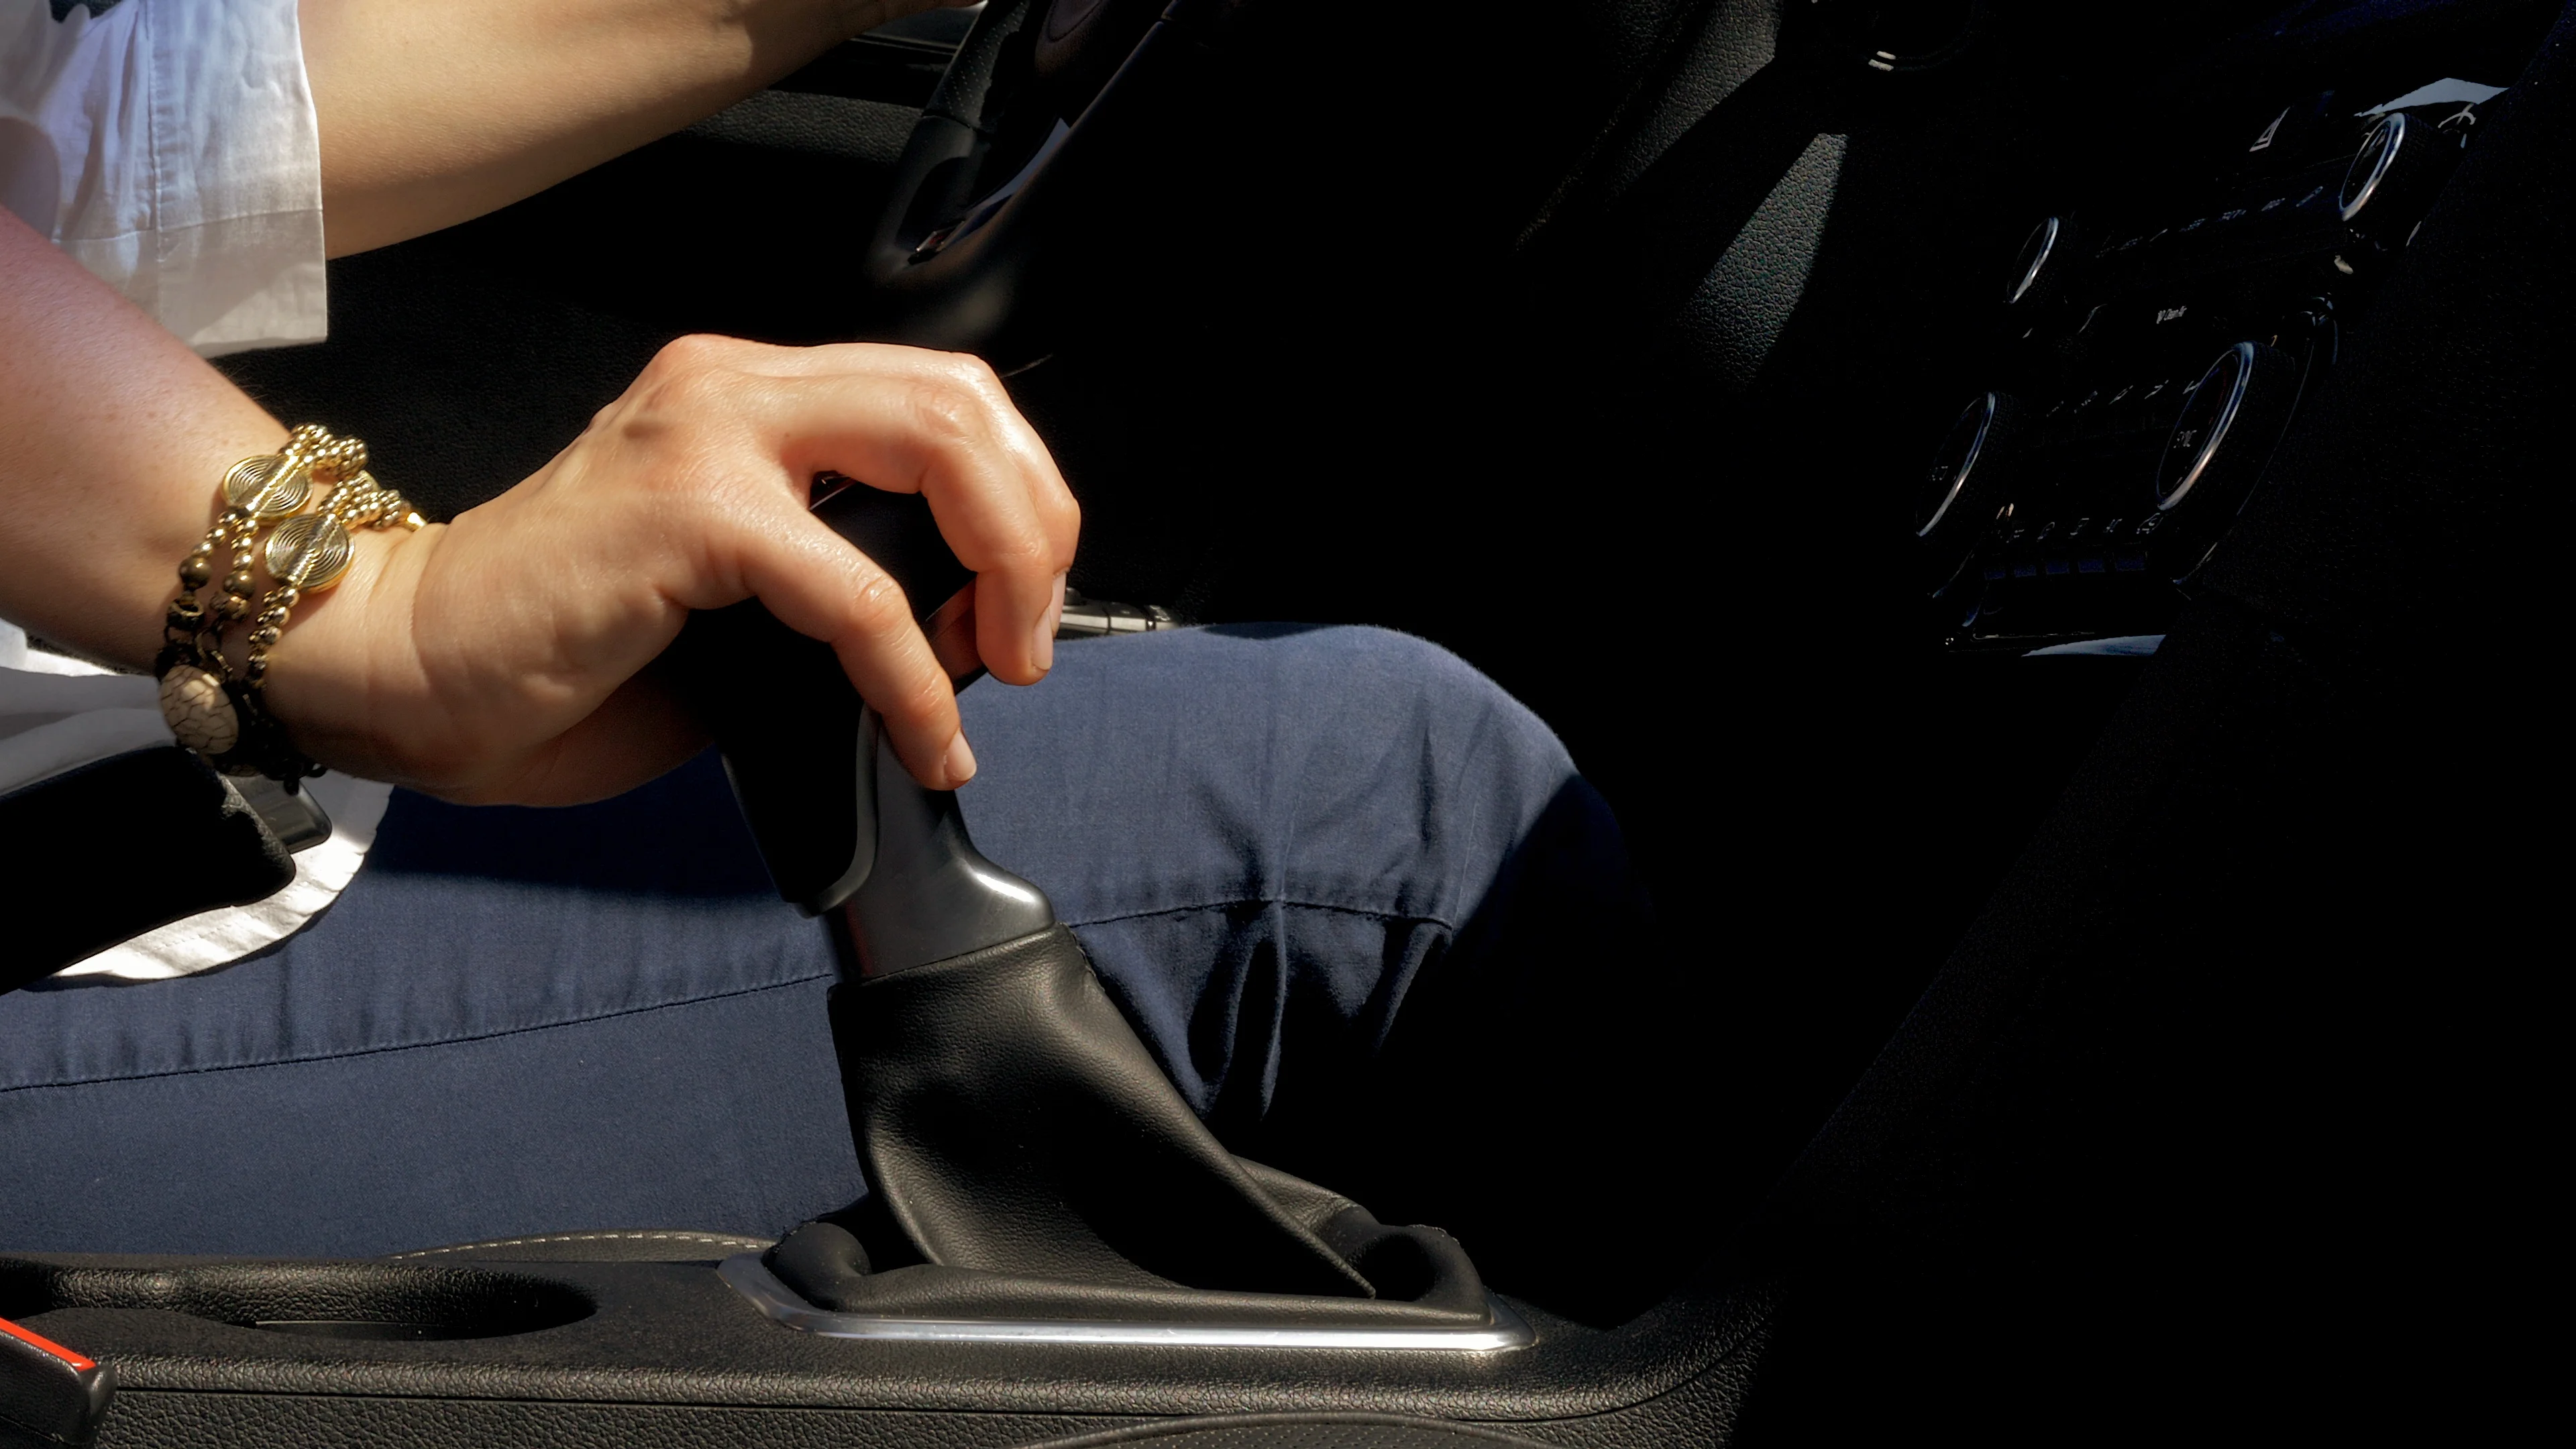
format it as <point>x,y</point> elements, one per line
<point>501,657</point>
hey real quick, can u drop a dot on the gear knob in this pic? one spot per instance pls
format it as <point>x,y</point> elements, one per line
<point>841,825</point>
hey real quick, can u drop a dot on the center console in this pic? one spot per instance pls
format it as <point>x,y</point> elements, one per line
<point>2157,331</point>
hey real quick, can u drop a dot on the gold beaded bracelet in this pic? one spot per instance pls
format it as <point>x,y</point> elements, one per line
<point>212,710</point>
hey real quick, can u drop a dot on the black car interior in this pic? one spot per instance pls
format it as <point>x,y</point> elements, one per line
<point>2035,515</point>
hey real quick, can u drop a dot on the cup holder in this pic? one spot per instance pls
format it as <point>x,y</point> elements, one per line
<point>317,1300</point>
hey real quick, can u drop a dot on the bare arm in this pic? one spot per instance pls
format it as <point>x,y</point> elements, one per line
<point>499,657</point>
<point>111,432</point>
<point>435,111</point>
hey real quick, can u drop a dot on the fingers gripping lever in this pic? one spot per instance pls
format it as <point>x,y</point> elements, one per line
<point>925,893</point>
<point>840,822</point>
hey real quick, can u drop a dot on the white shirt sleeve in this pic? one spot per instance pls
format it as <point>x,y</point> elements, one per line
<point>170,147</point>
<point>58,715</point>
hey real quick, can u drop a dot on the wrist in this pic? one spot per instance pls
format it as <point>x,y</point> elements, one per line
<point>289,525</point>
<point>351,663</point>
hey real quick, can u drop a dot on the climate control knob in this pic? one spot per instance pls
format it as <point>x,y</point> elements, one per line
<point>2039,269</point>
<point>2225,436</point>
<point>2393,178</point>
<point>1967,485</point>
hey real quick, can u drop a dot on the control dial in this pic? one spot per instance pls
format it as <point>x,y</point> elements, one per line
<point>2039,270</point>
<point>2393,178</point>
<point>2220,444</point>
<point>1967,484</point>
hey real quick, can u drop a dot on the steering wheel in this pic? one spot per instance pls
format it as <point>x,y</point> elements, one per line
<point>1041,126</point>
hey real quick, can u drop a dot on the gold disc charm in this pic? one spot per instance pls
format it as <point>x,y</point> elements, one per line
<point>266,487</point>
<point>200,713</point>
<point>309,553</point>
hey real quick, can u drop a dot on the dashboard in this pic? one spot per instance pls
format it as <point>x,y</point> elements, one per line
<point>2160,323</point>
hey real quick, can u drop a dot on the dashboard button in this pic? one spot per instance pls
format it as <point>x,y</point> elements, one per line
<point>2156,403</point>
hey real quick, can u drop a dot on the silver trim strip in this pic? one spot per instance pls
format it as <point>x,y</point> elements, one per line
<point>746,1275</point>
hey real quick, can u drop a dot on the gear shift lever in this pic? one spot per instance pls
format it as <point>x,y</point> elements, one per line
<point>842,825</point>
<point>1026,1156</point>
<point>926,894</point>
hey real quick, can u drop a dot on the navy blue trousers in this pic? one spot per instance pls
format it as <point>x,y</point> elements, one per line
<point>1356,899</point>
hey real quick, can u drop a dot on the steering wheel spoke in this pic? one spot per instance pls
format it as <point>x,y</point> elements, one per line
<point>1041,126</point>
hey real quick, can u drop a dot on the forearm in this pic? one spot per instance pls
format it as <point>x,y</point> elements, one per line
<point>112,435</point>
<point>435,113</point>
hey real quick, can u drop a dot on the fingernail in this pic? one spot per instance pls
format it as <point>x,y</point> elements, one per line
<point>959,762</point>
<point>1042,648</point>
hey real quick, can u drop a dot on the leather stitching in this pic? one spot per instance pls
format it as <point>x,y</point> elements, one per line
<point>719,1239</point>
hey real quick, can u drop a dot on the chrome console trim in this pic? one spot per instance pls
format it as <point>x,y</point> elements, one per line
<point>748,1276</point>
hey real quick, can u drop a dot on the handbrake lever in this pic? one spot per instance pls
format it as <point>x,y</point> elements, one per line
<point>839,821</point>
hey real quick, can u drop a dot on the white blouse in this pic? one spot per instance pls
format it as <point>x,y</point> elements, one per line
<point>170,147</point>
